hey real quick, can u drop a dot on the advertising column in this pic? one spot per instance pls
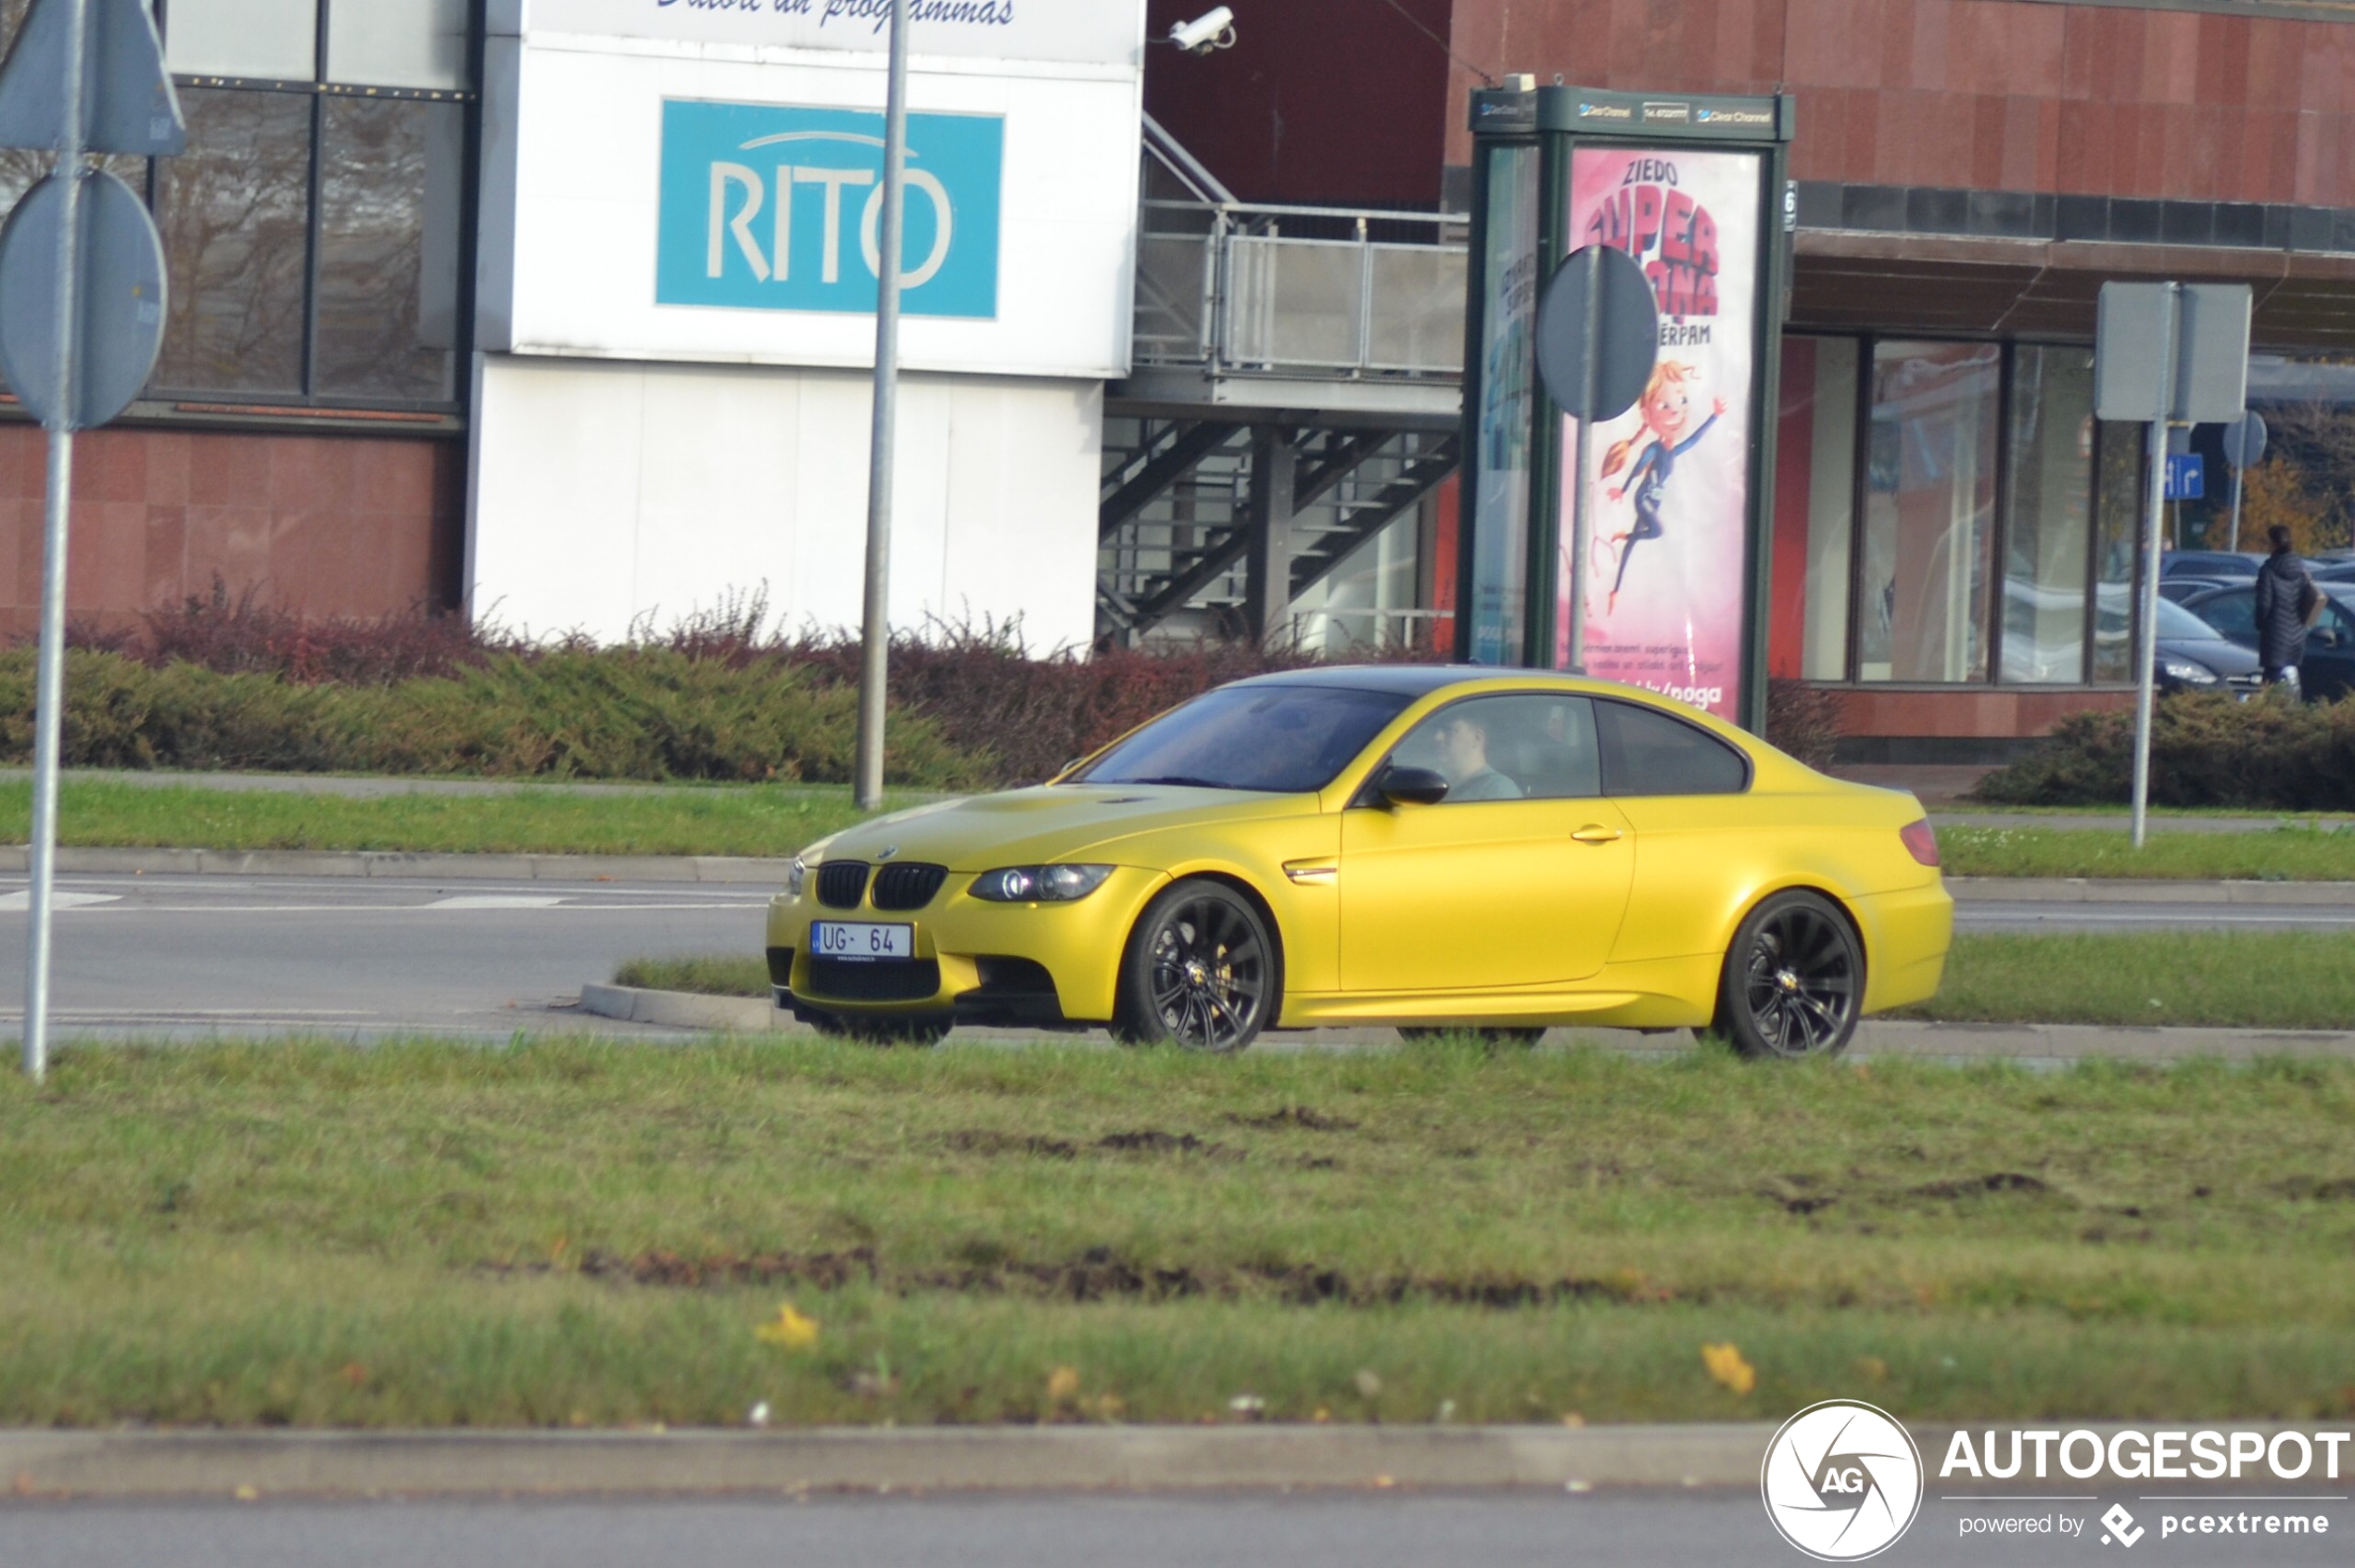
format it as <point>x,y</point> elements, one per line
<point>1669,488</point>
<point>1678,485</point>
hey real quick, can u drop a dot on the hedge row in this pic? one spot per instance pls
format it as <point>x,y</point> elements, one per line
<point>221,682</point>
<point>2275,752</point>
<point>629,713</point>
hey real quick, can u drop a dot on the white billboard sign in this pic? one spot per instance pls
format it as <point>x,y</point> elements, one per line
<point>1072,32</point>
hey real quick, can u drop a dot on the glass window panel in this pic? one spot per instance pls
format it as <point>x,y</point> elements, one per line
<point>1930,511</point>
<point>1509,748</point>
<point>388,201</point>
<point>1649,753</point>
<point>1815,467</point>
<point>398,43</point>
<point>2117,519</point>
<point>231,210</point>
<point>2047,540</point>
<point>275,40</point>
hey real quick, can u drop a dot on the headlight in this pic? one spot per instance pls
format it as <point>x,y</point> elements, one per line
<point>796,878</point>
<point>2188,673</point>
<point>1044,884</point>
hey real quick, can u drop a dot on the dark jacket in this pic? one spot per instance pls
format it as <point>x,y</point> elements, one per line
<point>2281,582</point>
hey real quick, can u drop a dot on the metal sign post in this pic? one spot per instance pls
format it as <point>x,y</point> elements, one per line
<point>2244,449</point>
<point>81,320</point>
<point>875,657</point>
<point>1597,340</point>
<point>2165,353</point>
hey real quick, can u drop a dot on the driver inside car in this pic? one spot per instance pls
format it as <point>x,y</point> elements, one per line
<point>1463,757</point>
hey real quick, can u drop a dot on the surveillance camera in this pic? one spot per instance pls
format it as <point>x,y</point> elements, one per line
<point>1213,29</point>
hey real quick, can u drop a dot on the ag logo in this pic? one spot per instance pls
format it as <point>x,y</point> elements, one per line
<point>1843,1481</point>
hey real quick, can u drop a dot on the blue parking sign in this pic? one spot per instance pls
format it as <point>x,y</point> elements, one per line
<point>776,208</point>
<point>2186,478</point>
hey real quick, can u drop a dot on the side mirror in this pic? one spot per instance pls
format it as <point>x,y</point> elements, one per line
<point>1412,786</point>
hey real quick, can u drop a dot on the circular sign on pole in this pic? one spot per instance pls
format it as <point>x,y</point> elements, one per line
<point>1597,333</point>
<point>121,296</point>
<point>2245,440</point>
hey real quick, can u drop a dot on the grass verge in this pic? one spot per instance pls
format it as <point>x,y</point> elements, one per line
<point>769,820</point>
<point>586,1232</point>
<point>2284,854</point>
<point>2224,979</point>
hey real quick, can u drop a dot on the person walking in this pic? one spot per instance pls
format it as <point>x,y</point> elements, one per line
<point>2287,603</point>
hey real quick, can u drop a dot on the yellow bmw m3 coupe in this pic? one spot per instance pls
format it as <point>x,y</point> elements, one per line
<point>1430,848</point>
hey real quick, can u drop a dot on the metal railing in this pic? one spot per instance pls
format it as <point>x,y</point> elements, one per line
<point>1238,287</point>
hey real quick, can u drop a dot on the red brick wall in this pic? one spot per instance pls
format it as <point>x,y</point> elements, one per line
<point>1319,101</point>
<point>1984,94</point>
<point>325,524</point>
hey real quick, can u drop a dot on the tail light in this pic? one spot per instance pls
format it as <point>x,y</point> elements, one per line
<point>1921,841</point>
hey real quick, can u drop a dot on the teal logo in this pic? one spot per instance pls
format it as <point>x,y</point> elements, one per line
<point>771,208</point>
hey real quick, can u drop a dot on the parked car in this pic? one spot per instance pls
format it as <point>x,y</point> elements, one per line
<point>2194,656</point>
<point>2231,564</point>
<point>2329,669</point>
<point>2178,588</point>
<point>2332,571</point>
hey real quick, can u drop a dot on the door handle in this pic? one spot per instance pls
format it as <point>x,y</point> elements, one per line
<point>1594,832</point>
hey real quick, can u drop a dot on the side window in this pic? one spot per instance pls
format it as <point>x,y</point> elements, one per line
<point>1536,747</point>
<point>2234,614</point>
<point>1646,752</point>
<point>2337,628</point>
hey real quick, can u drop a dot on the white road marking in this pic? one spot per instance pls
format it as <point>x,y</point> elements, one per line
<point>497,901</point>
<point>22,899</point>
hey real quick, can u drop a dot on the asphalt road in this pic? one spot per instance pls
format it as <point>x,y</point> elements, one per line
<point>1348,1530</point>
<point>1975,915</point>
<point>180,956</point>
<point>171,955</point>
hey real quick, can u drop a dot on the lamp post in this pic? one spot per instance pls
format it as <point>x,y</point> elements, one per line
<point>874,653</point>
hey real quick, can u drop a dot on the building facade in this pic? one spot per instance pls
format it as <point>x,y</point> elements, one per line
<point>1953,532</point>
<point>562,311</point>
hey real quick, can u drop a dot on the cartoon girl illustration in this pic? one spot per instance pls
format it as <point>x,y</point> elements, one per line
<point>1665,409</point>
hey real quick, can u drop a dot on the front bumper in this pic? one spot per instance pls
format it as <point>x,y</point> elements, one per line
<point>1037,965</point>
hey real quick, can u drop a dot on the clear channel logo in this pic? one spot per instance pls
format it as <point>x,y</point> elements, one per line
<point>1843,1481</point>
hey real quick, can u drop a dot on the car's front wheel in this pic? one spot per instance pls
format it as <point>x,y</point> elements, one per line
<point>1794,980</point>
<point>1200,972</point>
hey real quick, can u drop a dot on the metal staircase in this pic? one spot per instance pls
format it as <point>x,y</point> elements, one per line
<point>1296,393</point>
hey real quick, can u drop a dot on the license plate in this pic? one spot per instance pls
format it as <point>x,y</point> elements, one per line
<point>838,939</point>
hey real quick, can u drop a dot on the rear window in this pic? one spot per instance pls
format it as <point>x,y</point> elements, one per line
<point>1646,752</point>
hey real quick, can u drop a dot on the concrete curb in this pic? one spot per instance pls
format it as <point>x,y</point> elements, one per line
<point>2124,890</point>
<point>911,1459</point>
<point>373,863</point>
<point>1875,1037</point>
<point>682,1010</point>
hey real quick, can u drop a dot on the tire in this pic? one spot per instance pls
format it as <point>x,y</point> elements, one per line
<point>1496,1040</point>
<point>1794,980</point>
<point>1201,971</point>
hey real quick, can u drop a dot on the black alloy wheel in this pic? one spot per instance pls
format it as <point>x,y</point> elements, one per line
<point>1201,971</point>
<point>1794,980</point>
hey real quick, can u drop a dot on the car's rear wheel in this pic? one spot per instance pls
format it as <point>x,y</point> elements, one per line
<point>1200,972</point>
<point>1496,1038</point>
<point>1794,980</point>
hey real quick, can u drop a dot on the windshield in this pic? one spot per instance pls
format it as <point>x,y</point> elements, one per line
<point>1286,740</point>
<point>2174,620</point>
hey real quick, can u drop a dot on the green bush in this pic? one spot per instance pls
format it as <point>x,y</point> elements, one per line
<point>623,713</point>
<point>2275,752</point>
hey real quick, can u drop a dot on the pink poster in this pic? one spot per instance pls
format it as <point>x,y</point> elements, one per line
<point>1667,483</point>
